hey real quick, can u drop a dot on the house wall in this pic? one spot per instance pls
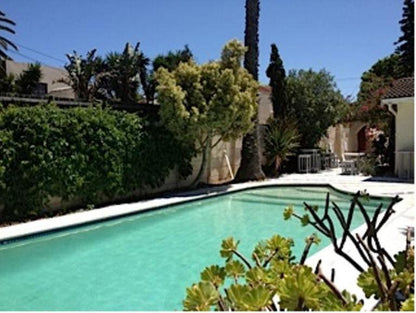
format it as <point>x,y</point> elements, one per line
<point>50,76</point>
<point>342,138</point>
<point>405,126</point>
<point>404,149</point>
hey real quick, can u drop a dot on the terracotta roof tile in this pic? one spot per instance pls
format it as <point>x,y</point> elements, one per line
<point>265,88</point>
<point>401,88</point>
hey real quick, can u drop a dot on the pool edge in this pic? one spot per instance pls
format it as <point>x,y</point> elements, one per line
<point>22,231</point>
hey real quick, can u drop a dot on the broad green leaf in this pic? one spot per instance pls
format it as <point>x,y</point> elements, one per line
<point>213,274</point>
<point>409,304</point>
<point>228,247</point>
<point>313,238</point>
<point>305,220</point>
<point>200,297</point>
<point>281,244</point>
<point>260,251</point>
<point>368,283</point>
<point>235,269</point>
<point>257,298</point>
<point>400,259</point>
<point>236,296</point>
<point>288,212</point>
<point>300,290</point>
<point>257,276</point>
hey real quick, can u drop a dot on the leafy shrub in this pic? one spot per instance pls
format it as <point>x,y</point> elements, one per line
<point>273,281</point>
<point>86,153</point>
<point>281,138</point>
<point>367,165</point>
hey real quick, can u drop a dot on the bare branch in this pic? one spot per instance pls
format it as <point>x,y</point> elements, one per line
<point>242,258</point>
<point>330,284</point>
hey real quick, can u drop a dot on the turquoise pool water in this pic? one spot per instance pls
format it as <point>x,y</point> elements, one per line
<point>146,261</point>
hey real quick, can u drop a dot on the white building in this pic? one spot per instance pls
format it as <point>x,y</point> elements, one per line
<point>400,101</point>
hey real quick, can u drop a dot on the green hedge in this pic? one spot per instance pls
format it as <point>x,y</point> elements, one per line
<point>86,153</point>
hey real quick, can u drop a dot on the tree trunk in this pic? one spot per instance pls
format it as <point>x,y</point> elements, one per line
<point>250,168</point>
<point>206,151</point>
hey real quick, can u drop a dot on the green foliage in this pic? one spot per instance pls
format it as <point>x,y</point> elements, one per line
<point>374,84</point>
<point>367,165</point>
<point>299,291</point>
<point>82,74</point>
<point>199,102</point>
<point>277,74</point>
<point>288,212</point>
<point>6,82</point>
<point>228,247</point>
<point>171,60</point>
<point>5,26</point>
<point>409,304</point>
<point>88,153</point>
<point>214,275</point>
<point>27,81</point>
<point>258,286</point>
<point>123,72</point>
<point>315,102</point>
<point>200,297</point>
<point>280,139</point>
<point>406,41</point>
<point>234,269</point>
<point>391,286</point>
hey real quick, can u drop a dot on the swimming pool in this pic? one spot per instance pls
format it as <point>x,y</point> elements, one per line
<point>146,261</point>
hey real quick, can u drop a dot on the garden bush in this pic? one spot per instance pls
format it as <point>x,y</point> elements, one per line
<point>87,153</point>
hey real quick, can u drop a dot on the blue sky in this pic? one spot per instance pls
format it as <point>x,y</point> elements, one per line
<point>343,36</point>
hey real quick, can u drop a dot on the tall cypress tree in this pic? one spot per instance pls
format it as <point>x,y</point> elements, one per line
<point>277,74</point>
<point>250,166</point>
<point>405,43</point>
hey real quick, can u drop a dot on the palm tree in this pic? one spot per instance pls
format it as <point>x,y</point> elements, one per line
<point>81,74</point>
<point>125,72</point>
<point>5,24</point>
<point>250,167</point>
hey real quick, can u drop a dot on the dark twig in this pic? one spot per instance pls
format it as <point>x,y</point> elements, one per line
<point>318,220</point>
<point>221,304</point>
<point>242,258</point>
<point>329,283</point>
<point>346,230</point>
<point>305,252</point>
<point>314,224</point>
<point>388,212</point>
<point>256,259</point>
<point>385,270</point>
<point>381,287</point>
<point>372,235</point>
<point>270,257</point>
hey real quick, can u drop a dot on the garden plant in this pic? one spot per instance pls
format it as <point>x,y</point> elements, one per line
<point>272,280</point>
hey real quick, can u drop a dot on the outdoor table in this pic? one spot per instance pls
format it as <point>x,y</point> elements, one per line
<point>354,155</point>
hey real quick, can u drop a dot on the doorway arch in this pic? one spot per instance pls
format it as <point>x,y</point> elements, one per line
<point>362,139</point>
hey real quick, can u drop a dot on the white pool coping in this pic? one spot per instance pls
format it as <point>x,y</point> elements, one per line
<point>392,236</point>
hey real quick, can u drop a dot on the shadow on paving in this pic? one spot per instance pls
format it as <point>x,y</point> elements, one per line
<point>205,190</point>
<point>382,179</point>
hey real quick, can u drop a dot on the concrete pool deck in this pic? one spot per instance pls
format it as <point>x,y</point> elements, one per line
<point>392,235</point>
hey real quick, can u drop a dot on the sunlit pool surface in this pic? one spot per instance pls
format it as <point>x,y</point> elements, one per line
<point>146,261</point>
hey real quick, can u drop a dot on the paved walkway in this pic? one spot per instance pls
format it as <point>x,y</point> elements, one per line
<point>392,236</point>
